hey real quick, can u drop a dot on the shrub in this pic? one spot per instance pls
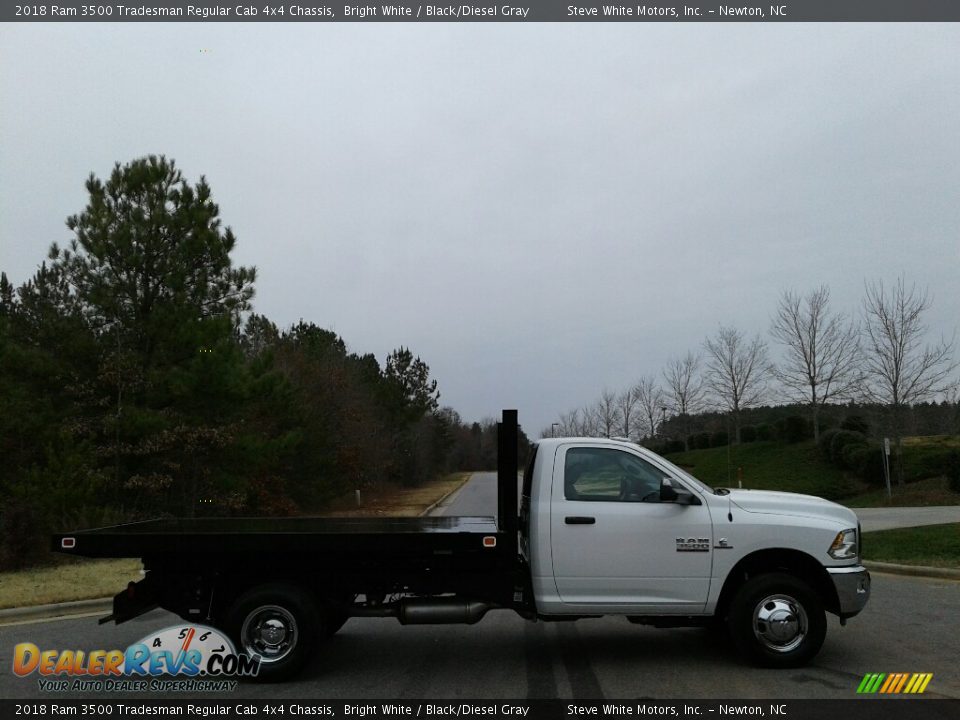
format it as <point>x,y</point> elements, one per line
<point>793,429</point>
<point>851,455</point>
<point>826,439</point>
<point>841,438</point>
<point>924,461</point>
<point>700,441</point>
<point>748,433</point>
<point>673,446</point>
<point>855,423</point>
<point>867,462</point>
<point>953,471</point>
<point>765,432</point>
<point>719,439</point>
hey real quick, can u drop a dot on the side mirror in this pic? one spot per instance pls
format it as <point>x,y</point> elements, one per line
<point>679,494</point>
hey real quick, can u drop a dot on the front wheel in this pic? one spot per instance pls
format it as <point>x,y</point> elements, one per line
<point>777,620</point>
<point>278,623</point>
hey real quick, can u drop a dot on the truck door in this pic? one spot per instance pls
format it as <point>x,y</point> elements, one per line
<point>616,547</point>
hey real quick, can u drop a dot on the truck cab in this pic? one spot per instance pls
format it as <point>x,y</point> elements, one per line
<point>608,527</point>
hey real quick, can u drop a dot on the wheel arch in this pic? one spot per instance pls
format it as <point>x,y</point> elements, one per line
<point>794,562</point>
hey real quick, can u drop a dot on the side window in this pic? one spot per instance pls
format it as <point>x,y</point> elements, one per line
<point>606,474</point>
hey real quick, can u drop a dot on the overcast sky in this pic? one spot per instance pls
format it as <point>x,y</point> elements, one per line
<point>539,211</point>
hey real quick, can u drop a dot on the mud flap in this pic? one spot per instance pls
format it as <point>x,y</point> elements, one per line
<point>139,598</point>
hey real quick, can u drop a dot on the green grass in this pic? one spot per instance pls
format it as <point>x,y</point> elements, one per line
<point>770,466</point>
<point>929,492</point>
<point>801,468</point>
<point>76,580</point>
<point>931,545</point>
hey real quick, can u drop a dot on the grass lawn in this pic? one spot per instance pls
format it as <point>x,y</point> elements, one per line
<point>76,580</point>
<point>801,468</point>
<point>932,545</point>
<point>932,491</point>
<point>770,466</point>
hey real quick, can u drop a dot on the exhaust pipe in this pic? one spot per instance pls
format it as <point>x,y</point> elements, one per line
<point>446,611</point>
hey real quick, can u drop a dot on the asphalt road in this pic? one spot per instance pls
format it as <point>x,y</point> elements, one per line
<point>478,497</point>
<point>910,625</point>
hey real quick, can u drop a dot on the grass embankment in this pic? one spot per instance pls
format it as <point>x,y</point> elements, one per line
<point>930,545</point>
<point>801,468</point>
<point>770,466</point>
<point>83,579</point>
<point>76,580</point>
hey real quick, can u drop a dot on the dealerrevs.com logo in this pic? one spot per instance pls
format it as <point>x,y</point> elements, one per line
<point>185,658</point>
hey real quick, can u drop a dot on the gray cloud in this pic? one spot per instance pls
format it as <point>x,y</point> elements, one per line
<point>538,211</point>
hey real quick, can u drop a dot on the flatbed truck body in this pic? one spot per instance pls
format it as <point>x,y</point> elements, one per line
<point>604,527</point>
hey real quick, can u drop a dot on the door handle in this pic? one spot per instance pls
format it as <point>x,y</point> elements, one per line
<point>579,520</point>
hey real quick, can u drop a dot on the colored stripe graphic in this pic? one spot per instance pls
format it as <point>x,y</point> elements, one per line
<point>894,683</point>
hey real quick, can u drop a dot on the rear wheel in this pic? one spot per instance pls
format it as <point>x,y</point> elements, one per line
<point>777,620</point>
<point>278,623</point>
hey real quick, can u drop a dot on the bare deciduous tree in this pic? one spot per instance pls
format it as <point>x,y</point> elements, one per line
<point>627,407</point>
<point>821,358</point>
<point>607,413</point>
<point>899,370</point>
<point>736,372</point>
<point>650,399</point>
<point>685,390</point>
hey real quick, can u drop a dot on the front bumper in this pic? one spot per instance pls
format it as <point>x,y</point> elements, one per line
<point>853,588</point>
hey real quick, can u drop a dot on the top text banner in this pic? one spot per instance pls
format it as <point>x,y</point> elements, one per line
<point>491,11</point>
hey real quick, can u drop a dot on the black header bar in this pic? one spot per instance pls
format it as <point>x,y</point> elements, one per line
<point>777,11</point>
<point>485,709</point>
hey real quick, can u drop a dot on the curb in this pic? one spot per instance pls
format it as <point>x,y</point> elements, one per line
<point>450,494</point>
<point>54,610</point>
<point>913,570</point>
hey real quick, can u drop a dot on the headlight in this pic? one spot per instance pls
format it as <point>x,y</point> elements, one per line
<point>844,545</point>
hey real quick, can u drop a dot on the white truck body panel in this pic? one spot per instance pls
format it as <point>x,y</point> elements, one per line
<point>658,558</point>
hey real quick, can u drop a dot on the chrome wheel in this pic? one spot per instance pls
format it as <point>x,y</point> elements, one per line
<point>269,631</point>
<point>780,623</point>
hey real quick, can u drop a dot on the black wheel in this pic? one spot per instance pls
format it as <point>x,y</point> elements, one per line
<point>278,623</point>
<point>777,620</point>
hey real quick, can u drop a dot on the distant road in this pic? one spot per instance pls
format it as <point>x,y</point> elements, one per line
<point>901,517</point>
<point>478,497</point>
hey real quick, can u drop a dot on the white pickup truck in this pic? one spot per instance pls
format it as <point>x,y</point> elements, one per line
<point>610,528</point>
<point>604,528</point>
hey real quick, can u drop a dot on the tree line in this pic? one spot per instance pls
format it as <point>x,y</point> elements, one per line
<point>878,360</point>
<point>136,380</point>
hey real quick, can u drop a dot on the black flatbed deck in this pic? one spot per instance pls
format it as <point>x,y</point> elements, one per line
<point>297,535</point>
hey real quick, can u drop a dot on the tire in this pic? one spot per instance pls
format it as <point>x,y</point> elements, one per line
<point>279,623</point>
<point>777,620</point>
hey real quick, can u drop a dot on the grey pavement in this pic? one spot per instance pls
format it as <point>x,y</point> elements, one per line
<point>476,497</point>
<point>900,517</point>
<point>908,626</point>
